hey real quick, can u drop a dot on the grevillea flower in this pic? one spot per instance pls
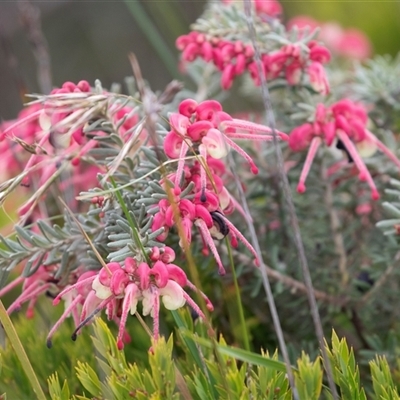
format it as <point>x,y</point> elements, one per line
<point>235,57</point>
<point>44,136</point>
<point>205,127</point>
<point>203,209</point>
<point>26,128</point>
<point>346,122</point>
<point>199,197</point>
<point>118,289</point>
<point>318,78</point>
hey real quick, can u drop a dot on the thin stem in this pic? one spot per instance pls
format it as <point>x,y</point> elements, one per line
<point>294,285</point>
<point>20,352</point>
<point>106,192</point>
<point>359,328</point>
<point>337,236</point>
<point>238,298</point>
<point>144,325</point>
<point>86,236</point>
<point>256,244</point>
<point>265,279</point>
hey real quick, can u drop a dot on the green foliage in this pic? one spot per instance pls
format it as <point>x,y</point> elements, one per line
<point>56,391</point>
<point>119,380</point>
<point>308,378</point>
<point>345,371</point>
<point>60,359</point>
<point>189,365</point>
<point>268,383</point>
<point>382,380</point>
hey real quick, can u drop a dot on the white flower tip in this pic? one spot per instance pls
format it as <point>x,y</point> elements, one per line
<point>172,296</point>
<point>102,292</point>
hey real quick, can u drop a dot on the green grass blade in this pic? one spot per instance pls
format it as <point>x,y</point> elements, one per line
<point>20,352</point>
<point>194,351</point>
<point>246,341</point>
<point>187,339</point>
<point>240,354</point>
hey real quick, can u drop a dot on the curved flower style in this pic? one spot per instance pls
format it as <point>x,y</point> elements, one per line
<point>346,122</point>
<point>118,289</point>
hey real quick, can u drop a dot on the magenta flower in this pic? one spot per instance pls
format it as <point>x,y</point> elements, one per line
<point>318,78</point>
<point>55,136</point>
<point>209,129</point>
<point>346,122</point>
<point>118,289</point>
<point>199,197</point>
<point>234,58</point>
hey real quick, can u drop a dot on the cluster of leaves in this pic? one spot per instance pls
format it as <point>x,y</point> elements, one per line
<point>195,368</point>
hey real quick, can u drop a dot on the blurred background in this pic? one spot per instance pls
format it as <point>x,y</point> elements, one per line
<point>90,39</point>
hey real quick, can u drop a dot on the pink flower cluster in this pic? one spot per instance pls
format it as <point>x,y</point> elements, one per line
<point>44,127</point>
<point>351,43</point>
<point>118,289</point>
<point>35,285</point>
<point>206,128</point>
<point>346,122</point>
<point>199,197</point>
<point>235,58</point>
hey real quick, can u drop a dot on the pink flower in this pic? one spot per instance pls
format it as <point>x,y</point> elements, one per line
<point>319,53</point>
<point>34,286</point>
<point>354,44</point>
<point>212,130</point>
<point>233,58</point>
<point>303,22</point>
<point>271,8</point>
<point>346,121</point>
<point>118,289</point>
<point>51,130</point>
